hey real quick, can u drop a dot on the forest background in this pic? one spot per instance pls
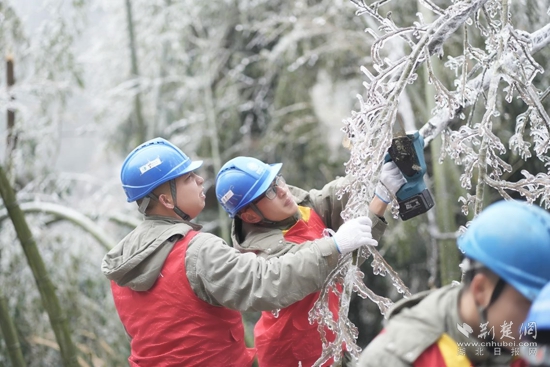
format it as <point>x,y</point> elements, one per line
<point>271,79</point>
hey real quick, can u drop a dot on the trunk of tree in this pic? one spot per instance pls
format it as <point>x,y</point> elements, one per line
<point>50,301</point>
<point>212,66</point>
<point>448,255</point>
<point>161,120</point>
<point>6,323</point>
<point>216,156</point>
<point>11,139</point>
<point>10,335</point>
<point>141,129</point>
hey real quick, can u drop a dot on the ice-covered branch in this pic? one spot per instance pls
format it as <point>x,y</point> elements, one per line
<point>531,187</point>
<point>507,57</point>
<point>448,23</point>
<point>370,132</point>
<point>69,214</point>
<point>432,128</point>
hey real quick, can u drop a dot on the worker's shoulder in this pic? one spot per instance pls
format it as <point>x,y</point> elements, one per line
<point>380,352</point>
<point>413,326</point>
<point>207,244</point>
<point>263,241</point>
<point>397,346</point>
<point>200,238</point>
<point>407,303</point>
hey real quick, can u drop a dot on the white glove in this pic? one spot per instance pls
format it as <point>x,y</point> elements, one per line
<point>391,180</point>
<point>354,234</point>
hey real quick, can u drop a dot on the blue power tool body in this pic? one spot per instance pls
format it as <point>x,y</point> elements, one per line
<point>407,152</point>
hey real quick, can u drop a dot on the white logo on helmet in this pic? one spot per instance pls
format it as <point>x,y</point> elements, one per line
<point>150,165</point>
<point>228,195</point>
<point>255,168</point>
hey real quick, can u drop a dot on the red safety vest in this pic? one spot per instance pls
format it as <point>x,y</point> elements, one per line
<point>170,326</point>
<point>446,353</point>
<point>288,339</point>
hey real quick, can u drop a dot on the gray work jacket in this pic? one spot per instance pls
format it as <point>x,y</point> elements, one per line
<point>218,273</point>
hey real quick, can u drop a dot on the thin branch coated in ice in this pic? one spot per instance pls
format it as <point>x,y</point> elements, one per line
<point>70,215</point>
<point>369,131</point>
<point>443,118</point>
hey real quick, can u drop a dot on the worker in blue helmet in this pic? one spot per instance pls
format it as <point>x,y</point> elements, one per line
<point>178,291</point>
<point>477,323</point>
<point>153,168</point>
<point>270,219</point>
<point>535,331</point>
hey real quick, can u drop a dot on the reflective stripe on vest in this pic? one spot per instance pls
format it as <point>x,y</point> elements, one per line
<point>290,339</point>
<point>170,326</point>
<point>443,353</point>
<point>446,353</point>
<point>451,356</point>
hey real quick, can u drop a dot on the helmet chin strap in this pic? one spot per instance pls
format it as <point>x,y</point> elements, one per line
<point>144,204</point>
<point>482,311</point>
<point>151,196</point>
<point>177,210</point>
<point>472,267</point>
<point>259,212</point>
<point>288,222</point>
<point>499,287</point>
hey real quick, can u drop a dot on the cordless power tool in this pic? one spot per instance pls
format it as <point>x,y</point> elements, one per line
<point>414,198</point>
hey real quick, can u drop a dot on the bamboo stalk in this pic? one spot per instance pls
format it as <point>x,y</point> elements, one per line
<point>447,252</point>
<point>50,301</point>
<point>140,128</point>
<point>11,138</point>
<point>10,335</point>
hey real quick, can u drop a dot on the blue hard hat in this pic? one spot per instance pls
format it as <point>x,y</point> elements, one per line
<point>512,239</point>
<point>536,323</point>
<point>241,180</point>
<point>150,165</point>
<point>540,310</point>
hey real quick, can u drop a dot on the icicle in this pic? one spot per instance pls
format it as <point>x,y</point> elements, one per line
<point>369,130</point>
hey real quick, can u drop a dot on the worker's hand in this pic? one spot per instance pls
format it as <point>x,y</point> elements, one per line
<point>391,180</point>
<point>354,234</point>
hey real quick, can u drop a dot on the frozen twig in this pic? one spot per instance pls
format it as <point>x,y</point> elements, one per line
<point>370,132</point>
<point>442,119</point>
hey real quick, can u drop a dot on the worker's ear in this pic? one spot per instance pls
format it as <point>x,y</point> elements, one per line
<point>250,216</point>
<point>482,286</point>
<point>166,201</point>
<point>164,195</point>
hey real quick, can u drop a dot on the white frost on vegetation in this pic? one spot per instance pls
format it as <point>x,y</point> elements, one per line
<point>506,59</point>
